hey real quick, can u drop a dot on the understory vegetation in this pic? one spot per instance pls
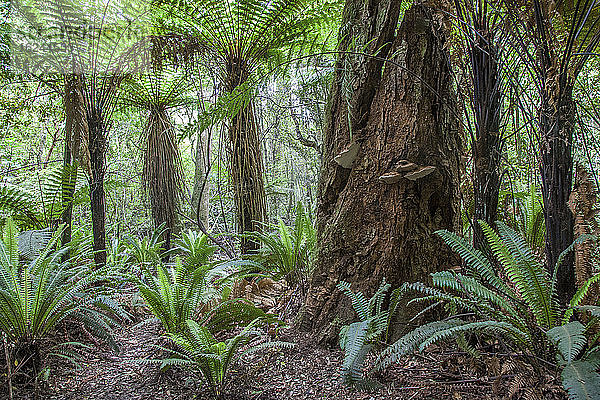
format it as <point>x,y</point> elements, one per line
<point>273,199</point>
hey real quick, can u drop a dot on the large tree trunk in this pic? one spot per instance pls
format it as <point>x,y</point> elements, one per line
<point>369,229</point>
<point>247,174</point>
<point>75,130</point>
<point>97,148</point>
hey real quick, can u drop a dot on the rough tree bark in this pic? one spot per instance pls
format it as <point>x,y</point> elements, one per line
<point>582,203</point>
<point>401,110</point>
<point>245,159</point>
<point>163,174</point>
<point>200,193</point>
<point>98,145</point>
<point>247,175</point>
<point>75,132</point>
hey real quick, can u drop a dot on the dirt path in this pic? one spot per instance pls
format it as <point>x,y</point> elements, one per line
<point>121,375</point>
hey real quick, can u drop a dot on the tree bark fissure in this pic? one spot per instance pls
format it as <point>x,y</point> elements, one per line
<point>368,230</point>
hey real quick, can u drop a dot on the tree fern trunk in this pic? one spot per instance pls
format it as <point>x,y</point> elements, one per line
<point>556,123</point>
<point>97,149</point>
<point>487,149</point>
<point>369,229</point>
<point>557,119</point>
<point>200,194</point>
<point>75,128</point>
<point>162,170</point>
<point>247,174</point>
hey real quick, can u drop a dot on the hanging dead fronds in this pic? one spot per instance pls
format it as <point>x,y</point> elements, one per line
<point>163,175</point>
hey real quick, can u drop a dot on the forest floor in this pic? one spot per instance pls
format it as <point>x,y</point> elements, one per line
<point>302,372</point>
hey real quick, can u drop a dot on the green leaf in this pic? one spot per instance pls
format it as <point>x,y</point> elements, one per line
<point>569,339</point>
<point>581,380</point>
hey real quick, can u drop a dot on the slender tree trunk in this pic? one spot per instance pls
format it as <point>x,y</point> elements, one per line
<point>557,119</point>
<point>556,123</point>
<point>487,105</point>
<point>373,220</point>
<point>75,129</point>
<point>97,149</point>
<point>200,193</point>
<point>247,174</point>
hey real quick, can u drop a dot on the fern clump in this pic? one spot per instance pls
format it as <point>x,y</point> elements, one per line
<point>194,248</point>
<point>287,252</point>
<point>147,250</point>
<point>197,348</point>
<point>174,294</point>
<point>516,301</point>
<point>358,338</point>
<point>46,202</point>
<point>36,297</point>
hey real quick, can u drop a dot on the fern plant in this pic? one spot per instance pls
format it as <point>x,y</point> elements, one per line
<point>36,297</point>
<point>579,375</point>
<point>358,338</point>
<point>518,302</point>
<point>147,250</point>
<point>288,252</point>
<point>42,207</point>
<point>173,294</point>
<point>210,358</point>
<point>194,247</point>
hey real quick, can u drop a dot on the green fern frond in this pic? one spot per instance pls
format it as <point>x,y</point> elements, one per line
<point>581,379</point>
<point>569,339</point>
<point>412,341</point>
<point>579,296</point>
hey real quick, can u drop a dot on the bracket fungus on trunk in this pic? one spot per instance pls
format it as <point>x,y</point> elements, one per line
<point>419,173</point>
<point>347,157</point>
<point>390,177</point>
<point>406,169</point>
<point>405,166</point>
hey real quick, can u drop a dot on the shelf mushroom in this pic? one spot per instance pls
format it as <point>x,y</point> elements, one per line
<point>346,158</point>
<point>419,173</point>
<point>405,166</point>
<point>390,177</point>
<point>406,169</point>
